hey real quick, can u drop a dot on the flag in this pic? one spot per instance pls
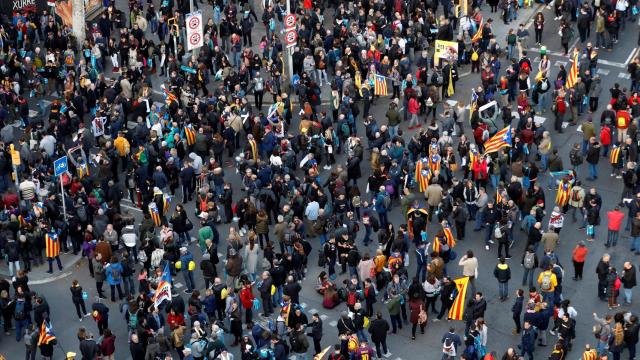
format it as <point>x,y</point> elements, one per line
<point>473,106</point>
<point>450,90</point>
<point>163,292</point>
<point>166,273</point>
<point>322,353</point>
<point>169,97</point>
<point>563,194</point>
<point>190,134</point>
<point>422,175</point>
<point>357,80</point>
<point>451,241</point>
<point>478,35</point>
<point>501,139</point>
<point>166,202</point>
<point>46,333</point>
<point>52,245</point>
<point>573,73</point>
<point>499,196</point>
<point>457,309</point>
<point>155,215</point>
<point>285,309</point>
<point>434,163</point>
<point>380,86</point>
<point>473,158</point>
<point>614,157</point>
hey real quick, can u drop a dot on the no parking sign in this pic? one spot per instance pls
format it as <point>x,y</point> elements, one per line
<point>194,30</point>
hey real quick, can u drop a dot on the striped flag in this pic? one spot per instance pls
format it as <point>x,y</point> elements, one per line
<point>473,106</point>
<point>380,86</point>
<point>163,292</point>
<point>563,194</point>
<point>478,35</point>
<point>451,241</point>
<point>155,215</point>
<point>46,333</point>
<point>501,139</point>
<point>573,73</point>
<point>190,134</point>
<point>422,175</point>
<point>614,157</point>
<point>457,309</point>
<point>166,202</point>
<point>169,97</point>
<point>52,245</point>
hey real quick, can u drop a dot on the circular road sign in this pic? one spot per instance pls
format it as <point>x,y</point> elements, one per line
<point>194,39</point>
<point>194,22</point>
<point>291,37</point>
<point>289,21</point>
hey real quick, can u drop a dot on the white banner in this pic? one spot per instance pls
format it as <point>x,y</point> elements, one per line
<point>195,33</point>
<point>163,292</point>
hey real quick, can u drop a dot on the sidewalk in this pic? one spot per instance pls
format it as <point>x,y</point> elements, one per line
<point>38,274</point>
<point>525,16</point>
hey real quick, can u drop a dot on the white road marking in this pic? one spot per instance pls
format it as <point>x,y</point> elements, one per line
<point>611,63</point>
<point>303,305</point>
<point>387,355</point>
<point>49,279</point>
<point>313,311</point>
<point>464,74</point>
<point>178,285</point>
<point>604,72</point>
<point>324,317</point>
<point>333,323</point>
<point>630,57</point>
<point>624,75</point>
<point>536,59</point>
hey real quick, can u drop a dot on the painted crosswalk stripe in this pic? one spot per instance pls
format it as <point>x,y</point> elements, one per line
<point>313,311</point>
<point>624,75</point>
<point>333,323</point>
<point>387,355</point>
<point>323,317</point>
<point>604,72</point>
<point>178,285</point>
<point>303,305</point>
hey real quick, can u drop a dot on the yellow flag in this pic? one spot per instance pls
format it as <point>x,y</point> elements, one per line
<point>450,90</point>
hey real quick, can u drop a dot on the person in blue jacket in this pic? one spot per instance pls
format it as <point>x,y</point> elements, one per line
<point>381,207</point>
<point>114,278</point>
<point>528,340</point>
<point>185,259</point>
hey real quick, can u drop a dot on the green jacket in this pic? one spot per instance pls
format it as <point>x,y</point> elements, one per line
<point>393,305</point>
<point>204,233</point>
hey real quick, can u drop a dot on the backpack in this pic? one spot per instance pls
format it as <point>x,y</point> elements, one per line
<point>474,55</point>
<point>545,285</point>
<point>295,342</point>
<point>544,85</point>
<point>497,232</point>
<point>342,294</point>
<point>529,260</point>
<point>115,273</point>
<point>395,264</point>
<point>386,200</point>
<point>133,320</point>
<point>575,195</point>
<point>19,311</point>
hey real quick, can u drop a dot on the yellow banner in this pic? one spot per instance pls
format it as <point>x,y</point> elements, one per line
<point>445,50</point>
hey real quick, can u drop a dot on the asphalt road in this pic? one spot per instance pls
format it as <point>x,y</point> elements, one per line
<point>582,294</point>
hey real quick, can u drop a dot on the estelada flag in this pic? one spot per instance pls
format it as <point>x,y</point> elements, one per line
<point>155,215</point>
<point>46,333</point>
<point>190,134</point>
<point>457,309</point>
<point>563,194</point>
<point>52,245</point>
<point>380,86</point>
<point>422,174</point>
<point>322,353</point>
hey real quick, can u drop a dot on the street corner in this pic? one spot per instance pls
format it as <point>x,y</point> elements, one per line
<point>38,274</point>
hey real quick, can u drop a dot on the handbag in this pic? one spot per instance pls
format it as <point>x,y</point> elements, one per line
<point>422,316</point>
<point>188,226</point>
<point>590,230</point>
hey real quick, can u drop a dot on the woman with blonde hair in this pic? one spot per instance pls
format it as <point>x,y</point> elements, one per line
<point>251,255</point>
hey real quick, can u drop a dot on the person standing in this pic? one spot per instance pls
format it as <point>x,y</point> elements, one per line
<point>378,329</point>
<point>603,270</point>
<point>631,329</point>
<point>635,234</point>
<point>316,333</point>
<point>579,256</point>
<point>530,264</point>
<point>113,273</point>
<point>450,342</point>
<point>448,293</point>
<point>393,306</point>
<point>528,338</point>
<point>628,281</point>
<point>469,265</point>
<point>614,218</point>
<point>99,274</point>
<point>78,301</point>
<point>516,310</point>
<point>548,281</point>
<point>299,342</point>
<point>502,273</point>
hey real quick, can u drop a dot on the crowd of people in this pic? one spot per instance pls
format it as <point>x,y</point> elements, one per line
<point>417,164</point>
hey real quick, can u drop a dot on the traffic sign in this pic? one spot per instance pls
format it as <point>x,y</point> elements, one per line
<point>291,37</point>
<point>289,21</point>
<point>60,166</point>
<point>195,32</point>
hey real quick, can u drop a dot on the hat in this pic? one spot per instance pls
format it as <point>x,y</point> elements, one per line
<point>183,249</point>
<point>71,355</point>
<point>203,215</point>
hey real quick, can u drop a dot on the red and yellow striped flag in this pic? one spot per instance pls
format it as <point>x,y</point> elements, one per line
<point>478,35</point>
<point>614,157</point>
<point>563,194</point>
<point>422,175</point>
<point>451,241</point>
<point>380,86</point>
<point>457,309</point>
<point>46,335</point>
<point>573,73</point>
<point>190,134</point>
<point>52,245</point>
<point>155,215</point>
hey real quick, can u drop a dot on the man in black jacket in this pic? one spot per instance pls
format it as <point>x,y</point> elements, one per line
<point>316,333</point>
<point>378,330</point>
<point>603,270</point>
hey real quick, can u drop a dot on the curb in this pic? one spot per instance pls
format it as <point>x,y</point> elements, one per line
<point>39,276</point>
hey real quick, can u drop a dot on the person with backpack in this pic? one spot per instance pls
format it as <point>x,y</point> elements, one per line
<point>548,281</point>
<point>113,273</point>
<point>299,342</point>
<point>576,200</point>
<point>450,342</point>
<point>382,204</point>
<point>21,314</point>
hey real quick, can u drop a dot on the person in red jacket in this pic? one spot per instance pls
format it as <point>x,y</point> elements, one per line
<point>414,110</point>
<point>623,119</point>
<point>615,222</point>
<point>605,139</point>
<point>108,345</point>
<point>560,107</point>
<point>246,299</point>
<point>175,319</point>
